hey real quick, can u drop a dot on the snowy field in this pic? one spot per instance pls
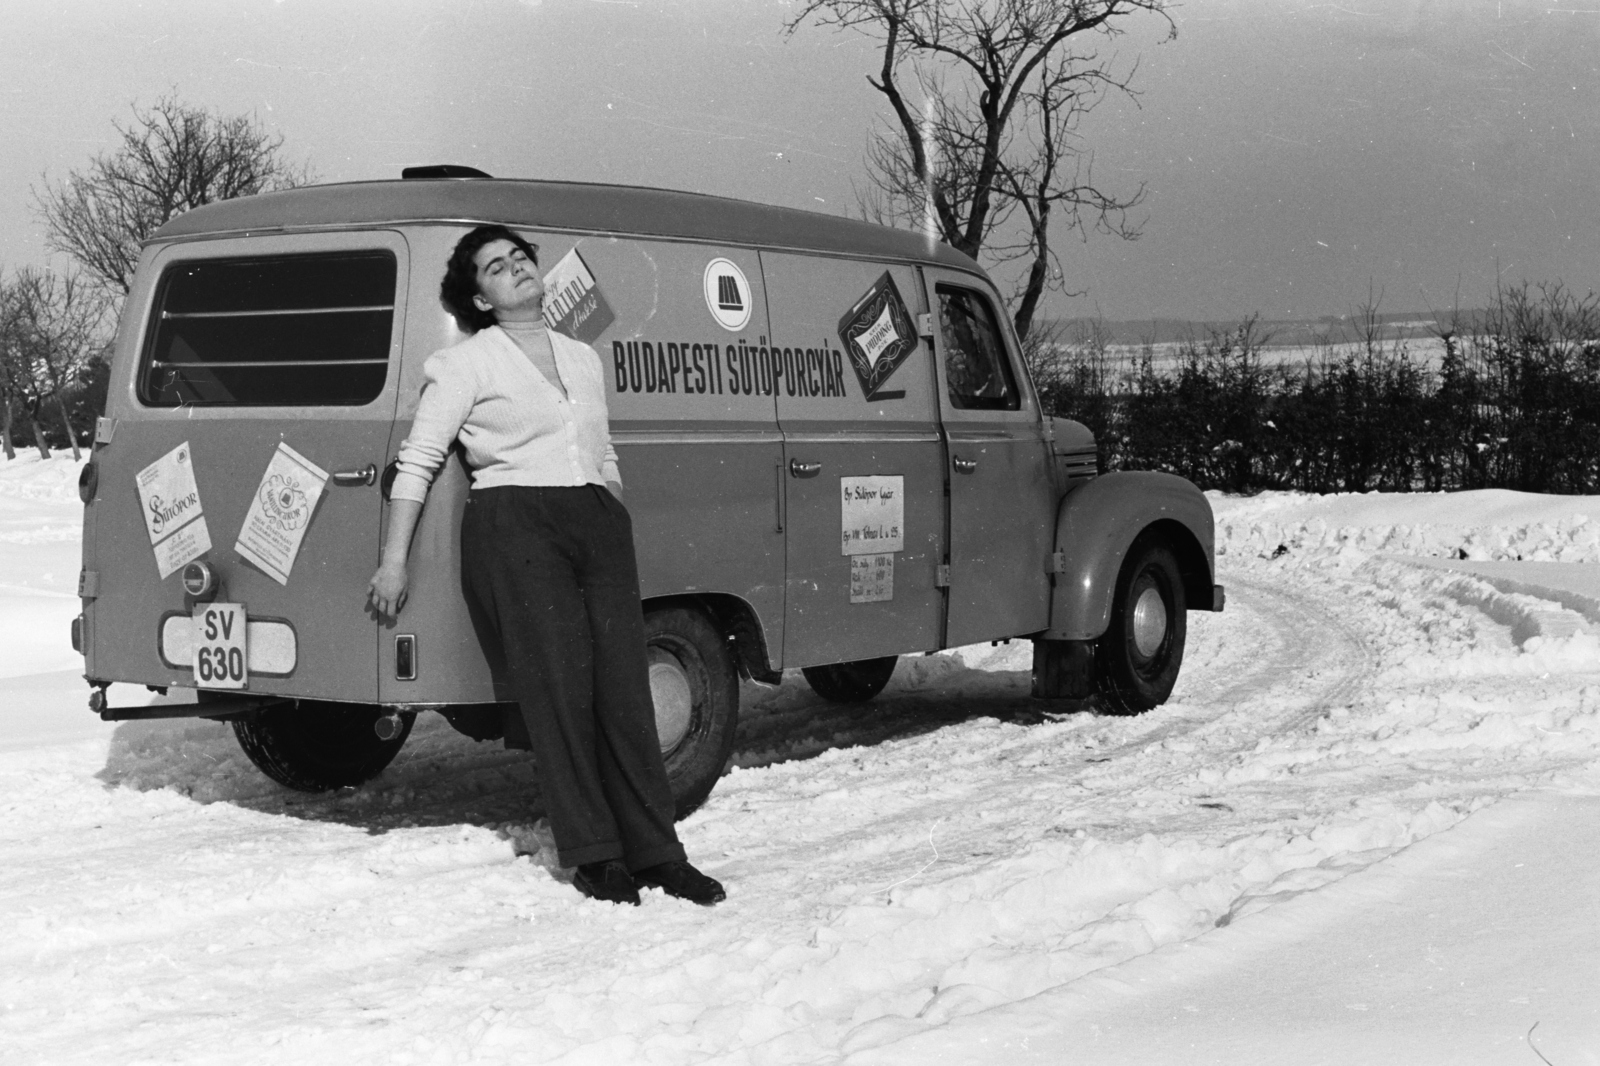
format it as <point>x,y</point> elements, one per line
<point>915,881</point>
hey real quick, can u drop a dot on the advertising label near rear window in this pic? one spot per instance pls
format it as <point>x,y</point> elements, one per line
<point>573,302</point>
<point>170,502</point>
<point>280,511</point>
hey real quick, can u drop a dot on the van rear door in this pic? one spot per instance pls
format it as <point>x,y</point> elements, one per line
<point>863,469</point>
<point>246,345</point>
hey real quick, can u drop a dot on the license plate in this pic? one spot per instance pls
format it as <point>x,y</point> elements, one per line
<point>220,656</point>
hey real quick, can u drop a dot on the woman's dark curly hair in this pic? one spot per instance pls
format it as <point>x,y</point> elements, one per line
<point>460,282</point>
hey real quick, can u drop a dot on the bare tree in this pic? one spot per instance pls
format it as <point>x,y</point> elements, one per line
<point>172,158</point>
<point>49,334</point>
<point>1003,87</point>
<point>10,368</point>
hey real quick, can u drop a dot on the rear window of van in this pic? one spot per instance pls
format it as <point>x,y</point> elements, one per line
<point>291,330</point>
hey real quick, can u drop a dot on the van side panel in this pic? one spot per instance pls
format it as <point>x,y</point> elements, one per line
<point>693,417</point>
<point>692,420</point>
<point>847,598</point>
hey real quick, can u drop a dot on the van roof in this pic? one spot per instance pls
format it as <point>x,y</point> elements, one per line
<point>559,205</point>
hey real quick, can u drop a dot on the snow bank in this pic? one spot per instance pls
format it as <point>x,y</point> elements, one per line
<point>29,477</point>
<point>948,850</point>
<point>1348,528</point>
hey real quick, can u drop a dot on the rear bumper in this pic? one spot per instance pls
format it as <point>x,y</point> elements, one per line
<point>213,705</point>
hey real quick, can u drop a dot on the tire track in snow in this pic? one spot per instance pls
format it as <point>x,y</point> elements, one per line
<point>961,791</point>
<point>1319,658</point>
<point>1253,680</point>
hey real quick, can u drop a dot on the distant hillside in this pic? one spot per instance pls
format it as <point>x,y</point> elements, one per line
<point>1278,333</point>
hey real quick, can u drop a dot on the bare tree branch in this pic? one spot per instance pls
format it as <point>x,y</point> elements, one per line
<point>1004,85</point>
<point>172,158</point>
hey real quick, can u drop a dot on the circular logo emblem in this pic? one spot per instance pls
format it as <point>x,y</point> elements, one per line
<point>284,502</point>
<point>727,294</point>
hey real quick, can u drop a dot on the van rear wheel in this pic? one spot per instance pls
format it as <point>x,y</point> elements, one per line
<point>316,745</point>
<point>695,688</point>
<point>855,682</point>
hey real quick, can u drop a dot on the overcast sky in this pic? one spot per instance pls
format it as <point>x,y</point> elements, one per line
<point>1292,150</point>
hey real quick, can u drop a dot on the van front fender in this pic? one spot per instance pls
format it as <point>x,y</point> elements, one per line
<point>1098,523</point>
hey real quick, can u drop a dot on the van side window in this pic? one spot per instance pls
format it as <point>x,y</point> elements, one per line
<point>976,368</point>
<point>288,330</point>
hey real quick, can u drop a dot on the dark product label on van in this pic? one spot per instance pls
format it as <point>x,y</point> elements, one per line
<point>879,335</point>
<point>727,369</point>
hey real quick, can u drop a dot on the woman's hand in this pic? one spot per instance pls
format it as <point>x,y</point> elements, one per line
<point>615,488</point>
<point>386,592</point>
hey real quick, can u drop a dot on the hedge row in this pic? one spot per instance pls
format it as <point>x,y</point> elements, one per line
<point>1513,402</point>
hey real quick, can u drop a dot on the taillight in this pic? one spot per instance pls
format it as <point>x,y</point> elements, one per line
<point>200,580</point>
<point>88,481</point>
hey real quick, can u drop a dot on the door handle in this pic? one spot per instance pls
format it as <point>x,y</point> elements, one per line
<point>964,466</point>
<point>367,475</point>
<point>799,469</point>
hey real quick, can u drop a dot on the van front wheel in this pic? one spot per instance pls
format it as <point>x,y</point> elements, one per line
<point>317,746</point>
<point>695,689</point>
<point>1137,661</point>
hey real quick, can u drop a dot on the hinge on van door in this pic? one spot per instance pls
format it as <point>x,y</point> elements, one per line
<point>925,325</point>
<point>104,429</point>
<point>88,584</point>
<point>1056,564</point>
<point>942,578</point>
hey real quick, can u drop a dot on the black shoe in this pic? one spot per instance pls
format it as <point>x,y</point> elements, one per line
<point>608,881</point>
<point>678,878</point>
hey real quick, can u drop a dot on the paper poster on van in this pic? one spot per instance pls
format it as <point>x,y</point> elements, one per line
<point>878,334</point>
<point>573,302</point>
<point>280,511</point>
<point>169,499</point>
<point>872,514</point>
<point>872,578</point>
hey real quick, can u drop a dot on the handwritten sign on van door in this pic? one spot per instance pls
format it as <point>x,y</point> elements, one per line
<point>873,514</point>
<point>573,302</point>
<point>280,511</point>
<point>170,502</point>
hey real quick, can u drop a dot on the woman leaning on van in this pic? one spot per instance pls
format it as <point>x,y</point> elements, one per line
<point>547,556</point>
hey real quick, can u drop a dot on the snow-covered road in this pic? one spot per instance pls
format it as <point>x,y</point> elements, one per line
<point>947,850</point>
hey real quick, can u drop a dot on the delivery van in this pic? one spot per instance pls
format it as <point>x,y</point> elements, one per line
<point>830,445</point>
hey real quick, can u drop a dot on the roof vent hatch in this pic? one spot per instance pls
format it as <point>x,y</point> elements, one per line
<point>442,170</point>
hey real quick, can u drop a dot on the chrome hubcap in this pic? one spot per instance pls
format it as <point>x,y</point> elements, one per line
<point>673,696</point>
<point>1149,622</point>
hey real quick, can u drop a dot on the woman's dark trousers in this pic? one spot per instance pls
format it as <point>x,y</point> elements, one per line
<point>553,575</point>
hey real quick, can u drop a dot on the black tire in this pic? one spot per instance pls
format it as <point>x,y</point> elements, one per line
<point>855,682</point>
<point>1137,660</point>
<point>696,690</point>
<point>315,746</point>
